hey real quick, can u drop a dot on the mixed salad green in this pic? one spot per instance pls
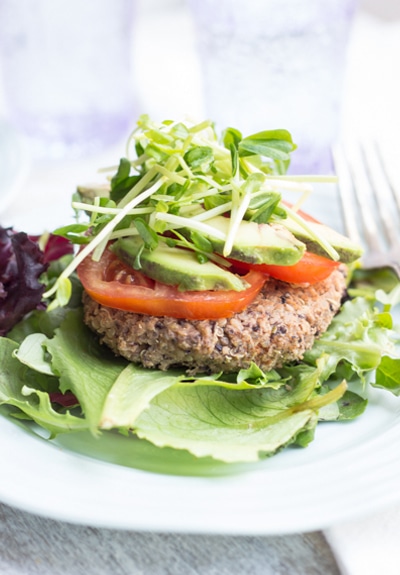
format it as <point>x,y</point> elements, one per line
<point>55,373</point>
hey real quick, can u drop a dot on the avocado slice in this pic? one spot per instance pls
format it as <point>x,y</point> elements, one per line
<point>259,243</point>
<point>347,250</point>
<point>177,267</point>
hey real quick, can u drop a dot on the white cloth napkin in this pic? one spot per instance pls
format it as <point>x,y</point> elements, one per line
<point>369,546</point>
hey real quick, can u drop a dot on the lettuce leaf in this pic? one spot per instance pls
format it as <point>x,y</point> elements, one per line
<point>21,265</point>
<point>388,375</point>
<point>208,417</point>
<point>358,335</point>
<point>28,397</point>
<point>84,367</point>
<point>132,393</point>
<point>201,431</point>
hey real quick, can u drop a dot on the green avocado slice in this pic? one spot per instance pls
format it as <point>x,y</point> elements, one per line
<point>176,266</point>
<point>347,250</point>
<point>259,243</point>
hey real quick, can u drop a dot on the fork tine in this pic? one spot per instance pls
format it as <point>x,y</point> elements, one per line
<point>395,189</point>
<point>387,193</point>
<point>364,194</point>
<point>346,193</point>
<point>370,203</point>
<point>355,194</point>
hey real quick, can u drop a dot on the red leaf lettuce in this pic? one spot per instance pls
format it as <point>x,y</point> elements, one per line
<point>22,262</point>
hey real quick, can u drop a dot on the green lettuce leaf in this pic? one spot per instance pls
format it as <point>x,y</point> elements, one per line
<point>358,335</point>
<point>31,352</point>
<point>350,406</point>
<point>132,393</point>
<point>33,402</point>
<point>234,424</point>
<point>224,424</point>
<point>84,367</point>
<point>388,375</point>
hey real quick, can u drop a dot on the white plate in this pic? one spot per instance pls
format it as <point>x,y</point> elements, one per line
<point>14,164</point>
<point>350,470</point>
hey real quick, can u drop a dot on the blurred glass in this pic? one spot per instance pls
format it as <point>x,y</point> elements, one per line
<point>67,76</point>
<point>276,64</point>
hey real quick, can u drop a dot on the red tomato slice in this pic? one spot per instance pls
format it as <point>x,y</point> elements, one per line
<point>114,284</point>
<point>310,269</point>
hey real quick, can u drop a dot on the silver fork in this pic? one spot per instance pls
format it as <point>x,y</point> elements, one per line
<point>370,204</point>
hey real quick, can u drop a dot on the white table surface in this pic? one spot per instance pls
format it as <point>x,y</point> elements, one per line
<point>35,545</point>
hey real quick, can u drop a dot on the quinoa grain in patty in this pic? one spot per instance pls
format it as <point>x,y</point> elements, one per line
<point>276,328</point>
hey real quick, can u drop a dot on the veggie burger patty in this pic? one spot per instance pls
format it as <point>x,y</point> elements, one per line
<point>276,328</point>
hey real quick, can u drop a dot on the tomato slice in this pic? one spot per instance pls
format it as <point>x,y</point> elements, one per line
<point>112,283</point>
<point>311,269</point>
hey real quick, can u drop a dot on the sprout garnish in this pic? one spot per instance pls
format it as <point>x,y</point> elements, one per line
<point>183,176</point>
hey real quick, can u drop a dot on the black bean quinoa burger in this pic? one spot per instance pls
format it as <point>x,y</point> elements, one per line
<point>278,326</point>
